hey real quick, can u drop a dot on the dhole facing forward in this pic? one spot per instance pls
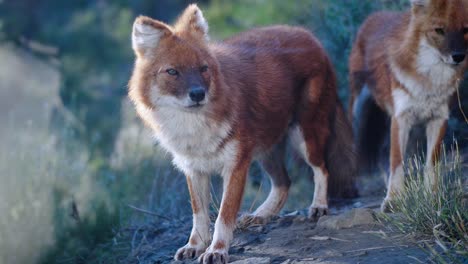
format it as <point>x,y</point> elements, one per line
<point>216,107</point>
<point>412,63</point>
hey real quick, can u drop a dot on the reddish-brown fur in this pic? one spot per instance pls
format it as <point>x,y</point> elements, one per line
<point>193,201</point>
<point>438,148</point>
<point>261,83</point>
<point>393,54</point>
<point>219,245</point>
<point>232,196</point>
<point>395,154</point>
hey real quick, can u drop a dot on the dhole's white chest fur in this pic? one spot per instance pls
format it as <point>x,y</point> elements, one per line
<point>195,141</point>
<point>423,101</point>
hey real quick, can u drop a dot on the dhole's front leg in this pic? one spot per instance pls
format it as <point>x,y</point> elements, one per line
<point>199,188</point>
<point>435,131</point>
<point>400,129</point>
<point>233,184</point>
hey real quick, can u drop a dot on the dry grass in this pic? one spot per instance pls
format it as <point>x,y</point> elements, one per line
<point>439,216</point>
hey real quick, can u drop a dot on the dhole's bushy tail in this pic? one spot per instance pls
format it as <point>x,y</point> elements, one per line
<point>341,158</point>
<point>372,127</point>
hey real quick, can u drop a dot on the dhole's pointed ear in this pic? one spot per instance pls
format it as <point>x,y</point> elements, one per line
<point>419,2</point>
<point>193,22</point>
<point>146,35</point>
<point>419,5</point>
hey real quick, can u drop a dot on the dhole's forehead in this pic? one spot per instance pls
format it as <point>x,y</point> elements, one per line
<point>452,13</point>
<point>181,53</point>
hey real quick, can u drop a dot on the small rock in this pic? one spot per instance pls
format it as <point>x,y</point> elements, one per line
<point>355,217</point>
<point>295,213</point>
<point>253,261</point>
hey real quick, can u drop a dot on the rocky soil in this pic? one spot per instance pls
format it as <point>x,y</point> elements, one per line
<point>352,234</point>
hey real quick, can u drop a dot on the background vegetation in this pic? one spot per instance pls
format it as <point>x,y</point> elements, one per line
<point>74,156</point>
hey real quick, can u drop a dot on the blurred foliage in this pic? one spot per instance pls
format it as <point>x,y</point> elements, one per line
<point>90,40</point>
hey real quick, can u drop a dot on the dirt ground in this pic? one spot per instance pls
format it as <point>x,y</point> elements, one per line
<point>348,236</point>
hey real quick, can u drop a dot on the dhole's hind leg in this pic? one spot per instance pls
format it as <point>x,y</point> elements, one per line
<point>273,164</point>
<point>310,135</point>
<point>311,143</point>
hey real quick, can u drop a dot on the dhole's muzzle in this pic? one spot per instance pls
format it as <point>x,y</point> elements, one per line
<point>457,46</point>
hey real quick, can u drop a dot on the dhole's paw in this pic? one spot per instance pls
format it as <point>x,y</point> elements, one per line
<point>248,220</point>
<point>214,257</point>
<point>315,212</point>
<point>189,252</point>
<point>388,206</point>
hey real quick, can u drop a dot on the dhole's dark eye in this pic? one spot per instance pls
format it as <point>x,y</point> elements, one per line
<point>440,31</point>
<point>172,72</point>
<point>465,31</point>
<point>204,68</point>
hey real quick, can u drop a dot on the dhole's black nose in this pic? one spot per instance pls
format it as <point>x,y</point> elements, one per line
<point>197,94</point>
<point>458,57</point>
